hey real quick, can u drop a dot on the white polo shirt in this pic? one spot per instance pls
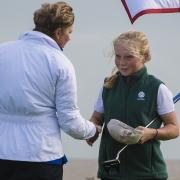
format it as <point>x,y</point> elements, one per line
<point>164,101</point>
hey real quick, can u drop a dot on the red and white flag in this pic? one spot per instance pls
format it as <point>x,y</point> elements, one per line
<point>136,8</point>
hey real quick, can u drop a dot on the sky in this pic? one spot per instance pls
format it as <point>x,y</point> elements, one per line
<point>96,25</point>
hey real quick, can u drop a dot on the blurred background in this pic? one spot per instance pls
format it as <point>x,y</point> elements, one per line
<point>97,23</point>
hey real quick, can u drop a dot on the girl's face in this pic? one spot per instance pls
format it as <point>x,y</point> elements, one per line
<point>126,62</point>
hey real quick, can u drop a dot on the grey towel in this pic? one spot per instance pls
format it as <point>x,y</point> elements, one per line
<point>123,133</point>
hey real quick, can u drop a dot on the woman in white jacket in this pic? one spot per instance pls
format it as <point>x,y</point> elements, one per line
<point>38,98</point>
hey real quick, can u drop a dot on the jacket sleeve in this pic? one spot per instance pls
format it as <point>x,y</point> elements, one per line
<point>69,117</point>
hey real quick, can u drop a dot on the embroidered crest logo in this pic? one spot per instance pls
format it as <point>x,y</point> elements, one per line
<point>141,96</point>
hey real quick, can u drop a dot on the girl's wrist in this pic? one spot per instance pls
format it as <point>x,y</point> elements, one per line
<point>155,134</point>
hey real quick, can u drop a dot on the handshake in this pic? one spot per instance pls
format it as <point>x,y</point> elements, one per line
<point>91,140</point>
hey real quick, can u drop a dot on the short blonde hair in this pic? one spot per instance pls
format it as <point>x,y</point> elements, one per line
<point>137,43</point>
<point>52,16</point>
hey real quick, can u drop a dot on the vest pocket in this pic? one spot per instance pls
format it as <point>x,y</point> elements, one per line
<point>140,158</point>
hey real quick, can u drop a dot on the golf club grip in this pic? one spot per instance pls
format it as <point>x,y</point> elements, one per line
<point>176,98</point>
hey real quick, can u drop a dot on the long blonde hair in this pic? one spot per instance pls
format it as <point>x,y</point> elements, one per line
<point>137,43</point>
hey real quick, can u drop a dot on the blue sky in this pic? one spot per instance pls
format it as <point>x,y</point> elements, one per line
<point>97,23</point>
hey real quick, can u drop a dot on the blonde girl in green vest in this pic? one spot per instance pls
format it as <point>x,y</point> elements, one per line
<point>134,97</point>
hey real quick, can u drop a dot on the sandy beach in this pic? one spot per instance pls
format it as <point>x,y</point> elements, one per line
<point>84,169</point>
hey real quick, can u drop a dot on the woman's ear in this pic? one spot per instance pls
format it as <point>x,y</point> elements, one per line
<point>57,33</point>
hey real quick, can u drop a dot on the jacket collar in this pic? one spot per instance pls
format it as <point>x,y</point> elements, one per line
<point>39,36</point>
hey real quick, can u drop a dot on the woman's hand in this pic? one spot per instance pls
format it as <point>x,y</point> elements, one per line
<point>96,118</point>
<point>91,140</point>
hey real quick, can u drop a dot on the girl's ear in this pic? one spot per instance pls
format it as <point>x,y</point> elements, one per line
<point>145,57</point>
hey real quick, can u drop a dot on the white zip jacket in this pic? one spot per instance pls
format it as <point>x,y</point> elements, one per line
<point>37,98</point>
